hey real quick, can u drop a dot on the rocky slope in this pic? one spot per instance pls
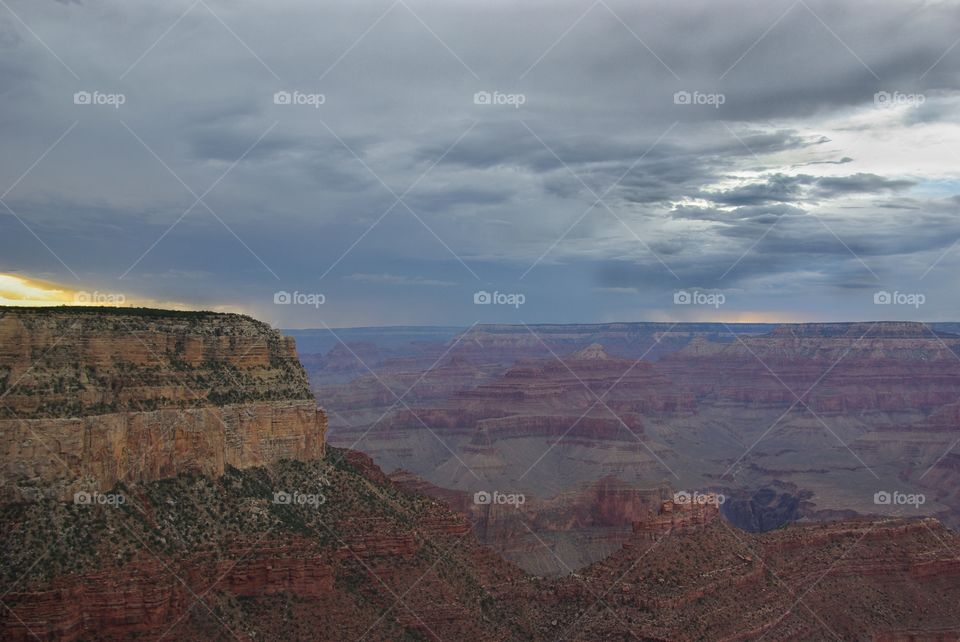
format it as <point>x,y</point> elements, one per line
<point>91,396</point>
<point>867,580</point>
<point>201,558</point>
<point>496,421</point>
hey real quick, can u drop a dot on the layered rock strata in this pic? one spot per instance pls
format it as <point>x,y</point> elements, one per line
<point>92,396</point>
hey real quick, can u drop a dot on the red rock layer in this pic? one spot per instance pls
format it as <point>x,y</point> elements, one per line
<point>850,367</point>
<point>93,453</point>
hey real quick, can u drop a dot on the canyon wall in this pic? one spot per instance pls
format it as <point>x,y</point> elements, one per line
<point>93,396</point>
<point>834,367</point>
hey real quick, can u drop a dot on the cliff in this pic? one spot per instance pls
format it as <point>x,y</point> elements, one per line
<point>91,396</point>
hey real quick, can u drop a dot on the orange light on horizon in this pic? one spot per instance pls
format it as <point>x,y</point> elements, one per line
<point>21,291</point>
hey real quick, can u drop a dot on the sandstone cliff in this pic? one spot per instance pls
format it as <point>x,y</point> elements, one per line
<point>91,396</point>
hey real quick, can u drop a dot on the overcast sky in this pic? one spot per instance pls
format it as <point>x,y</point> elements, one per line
<point>815,165</point>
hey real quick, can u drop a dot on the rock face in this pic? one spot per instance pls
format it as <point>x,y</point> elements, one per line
<point>92,396</point>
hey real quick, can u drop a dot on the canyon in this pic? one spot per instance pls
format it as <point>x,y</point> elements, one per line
<point>790,422</point>
<point>170,475</point>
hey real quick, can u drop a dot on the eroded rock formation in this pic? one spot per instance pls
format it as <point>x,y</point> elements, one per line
<point>92,396</point>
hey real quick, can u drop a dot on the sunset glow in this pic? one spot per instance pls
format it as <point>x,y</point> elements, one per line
<point>24,291</point>
<point>15,290</point>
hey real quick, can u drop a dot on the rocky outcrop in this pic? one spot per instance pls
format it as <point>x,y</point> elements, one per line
<point>554,536</point>
<point>674,516</point>
<point>93,396</point>
<point>94,452</point>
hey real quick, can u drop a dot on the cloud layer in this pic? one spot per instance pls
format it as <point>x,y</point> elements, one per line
<point>797,157</point>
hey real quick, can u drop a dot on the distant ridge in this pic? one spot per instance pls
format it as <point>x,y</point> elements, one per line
<point>876,329</point>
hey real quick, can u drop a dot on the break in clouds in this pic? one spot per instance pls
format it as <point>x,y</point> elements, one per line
<point>399,157</point>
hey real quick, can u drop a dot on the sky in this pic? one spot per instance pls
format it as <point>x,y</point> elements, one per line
<point>445,163</point>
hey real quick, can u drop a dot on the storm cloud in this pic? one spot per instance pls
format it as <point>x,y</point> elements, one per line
<point>399,156</point>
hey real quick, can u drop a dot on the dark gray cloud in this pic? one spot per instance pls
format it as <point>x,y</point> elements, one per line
<point>781,188</point>
<point>860,183</point>
<point>775,189</point>
<point>762,214</point>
